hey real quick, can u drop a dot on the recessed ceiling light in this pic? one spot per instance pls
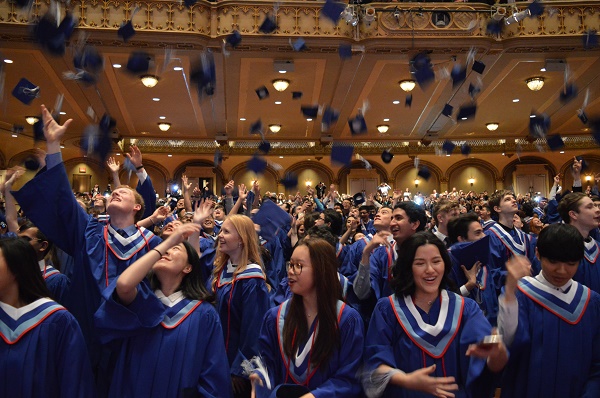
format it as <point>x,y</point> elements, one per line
<point>169,155</point>
<point>178,68</point>
<point>8,61</point>
<point>281,157</point>
<point>516,100</point>
<point>162,117</point>
<point>531,116</point>
<point>63,113</point>
<point>386,120</point>
<point>562,151</point>
<point>118,154</point>
<point>62,147</point>
<point>543,70</point>
<point>14,136</point>
<point>155,99</point>
<point>277,102</point>
<point>447,154</point>
<point>309,120</point>
<point>116,66</point>
<point>463,118</point>
<point>396,102</point>
<point>283,71</point>
<point>242,119</point>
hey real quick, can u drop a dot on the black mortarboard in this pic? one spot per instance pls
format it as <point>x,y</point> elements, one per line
<point>264,147</point>
<point>358,198</point>
<point>257,164</point>
<point>478,67</point>
<point>25,91</point>
<point>139,62</point>
<point>107,123</point>
<point>590,39</point>
<point>256,127</point>
<point>332,10</point>
<point>262,92</point>
<point>126,31</point>
<point>469,253</point>
<point>555,142</point>
<point>290,180</point>
<point>358,125</point>
<point>387,156</point>
<point>310,110</point>
<point>448,146</point>
<point>96,142</point>
<point>31,163</point>
<point>465,149</point>
<point>458,74</point>
<point>582,116</point>
<point>218,158</point>
<point>424,173</point>
<point>422,70</point>
<point>341,154</point>
<point>203,73</point>
<point>466,112</point>
<point>269,25</point>
<point>330,116</point>
<point>88,59</point>
<point>447,111</point>
<point>296,94</point>
<point>568,93</point>
<point>52,37</point>
<point>494,27</point>
<point>67,25</point>
<point>539,125</point>
<point>596,132</point>
<point>408,100</point>
<point>22,3</point>
<point>270,217</point>
<point>473,90</point>
<point>299,44</point>
<point>345,51</point>
<point>190,3</point>
<point>535,8</point>
<point>234,39</point>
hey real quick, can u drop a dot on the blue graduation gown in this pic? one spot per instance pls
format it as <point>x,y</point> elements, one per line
<point>349,267</point>
<point>381,263</point>
<point>164,351</point>
<point>485,293</point>
<point>146,190</point>
<point>556,351</point>
<point>56,282</point>
<point>49,202</point>
<point>588,272</point>
<point>337,378</point>
<point>241,303</point>
<point>276,266</point>
<point>397,339</point>
<point>487,224</point>
<point>43,354</point>
<point>504,245</point>
<point>284,293</point>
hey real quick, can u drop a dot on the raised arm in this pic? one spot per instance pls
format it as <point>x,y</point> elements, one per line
<point>159,215</point>
<point>203,210</point>
<point>577,165</point>
<point>187,200</point>
<point>242,195</point>
<point>114,166</point>
<point>144,186</point>
<point>9,200</point>
<point>136,272</point>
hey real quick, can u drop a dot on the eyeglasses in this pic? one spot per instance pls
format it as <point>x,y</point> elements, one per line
<point>296,268</point>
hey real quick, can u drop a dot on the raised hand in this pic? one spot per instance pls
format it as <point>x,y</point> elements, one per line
<point>203,210</point>
<point>9,179</point>
<point>242,192</point>
<point>184,183</point>
<point>229,188</point>
<point>160,214</point>
<point>471,274</point>
<point>53,132</point>
<point>135,156</point>
<point>113,165</point>
<point>181,233</point>
<point>577,164</point>
<point>557,179</point>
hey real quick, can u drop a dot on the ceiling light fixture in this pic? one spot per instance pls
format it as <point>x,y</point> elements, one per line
<point>275,128</point>
<point>164,126</point>
<point>116,66</point>
<point>535,83</point>
<point>281,84</point>
<point>407,85</point>
<point>31,119</point>
<point>492,126</point>
<point>149,80</point>
<point>383,128</point>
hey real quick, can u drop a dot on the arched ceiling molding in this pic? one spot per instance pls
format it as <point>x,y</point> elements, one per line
<point>565,168</point>
<point>218,171</point>
<point>244,165</point>
<point>472,162</point>
<point>92,162</point>
<point>149,164</point>
<point>410,164</point>
<point>296,167</point>
<point>20,157</point>
<point>509,168</point>
<point>357,164</point>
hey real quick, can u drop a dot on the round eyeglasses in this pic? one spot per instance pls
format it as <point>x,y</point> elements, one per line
<point>296,268</point>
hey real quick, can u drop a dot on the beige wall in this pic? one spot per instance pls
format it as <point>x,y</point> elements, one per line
<point>484,180</point>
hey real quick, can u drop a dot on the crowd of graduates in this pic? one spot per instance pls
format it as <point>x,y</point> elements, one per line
<point>319,295</point>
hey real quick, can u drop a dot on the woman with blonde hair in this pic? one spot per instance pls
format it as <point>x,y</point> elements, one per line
<point>239,282</point>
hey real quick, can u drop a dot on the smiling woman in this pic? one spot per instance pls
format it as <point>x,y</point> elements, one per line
<point>422,339</point>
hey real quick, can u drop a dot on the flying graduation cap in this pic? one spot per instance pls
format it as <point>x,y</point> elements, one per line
<point>332,10</point>
<point>126,31</point>
<point>357,124</point>
<point>341,154</point>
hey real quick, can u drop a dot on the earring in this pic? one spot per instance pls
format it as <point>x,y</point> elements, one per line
<point>240,244</point>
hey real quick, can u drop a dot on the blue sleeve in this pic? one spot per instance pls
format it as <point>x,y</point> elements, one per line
<point>214,378</point>
<point>376,269</point>
<point>147,191</point>
<point>50,204</point>
<point>58,286</point>
<point>114,320</point>
<point>381,337</point>
<point>592,385</point>
<point>73,363</point>
<point>255,303</point>
<point>249,201</point>
<point>344,382</point>
<point>536,266</point>
<point>282,292</point>
<point>320,208</point>
<point>268,348</point>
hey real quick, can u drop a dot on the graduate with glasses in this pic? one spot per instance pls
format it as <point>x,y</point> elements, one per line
<point>424,339</point>
<point>311,345</point>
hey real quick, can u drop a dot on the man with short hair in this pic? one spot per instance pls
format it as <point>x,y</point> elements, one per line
<point>366,224</point>
<point>443,212</point>
<point>485,215</point>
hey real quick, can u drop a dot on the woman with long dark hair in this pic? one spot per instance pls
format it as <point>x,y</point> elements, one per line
<point>167,332</point>
<point>423,339</point>
<point>42,350</point>
<point>242,295</point>
<point>312,340</point>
